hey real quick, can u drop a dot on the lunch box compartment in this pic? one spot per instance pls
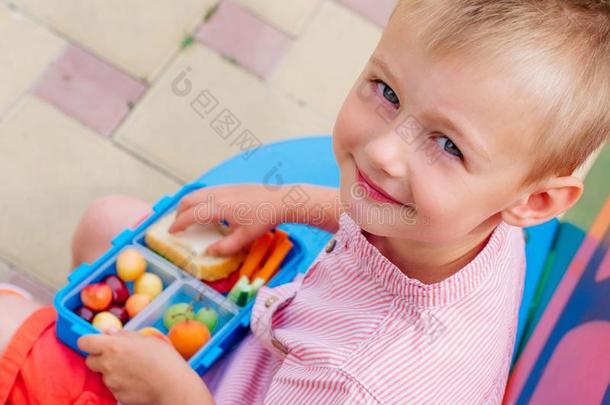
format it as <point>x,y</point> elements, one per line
<point>168,275</point>
<point>188,291</point>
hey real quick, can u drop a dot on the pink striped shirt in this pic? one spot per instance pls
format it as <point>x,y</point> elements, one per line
<point>355,329</point>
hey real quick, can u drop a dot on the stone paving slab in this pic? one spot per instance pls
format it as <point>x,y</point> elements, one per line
<point>377,11</point>
<point>139,36</point>
<point>205,109</point>
<point>235,32</point>
<point>89,90</point>
<point>324,62</point>
<point>289,16</point>
<point>27,48</point>
<point>52,168</point>
<point>5,271</point>
<point>41,292</point>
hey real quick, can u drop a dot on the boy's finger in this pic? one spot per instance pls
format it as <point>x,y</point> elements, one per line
<point>203,196</point>
<point>92,344</point>
<point>232,243</point>
<point>187,202</point>
<point>94,363</point>
<point>194,215</point>
<point>182,221</point>
<point>122,333</point>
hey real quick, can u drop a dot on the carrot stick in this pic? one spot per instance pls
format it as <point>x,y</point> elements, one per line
<point>273,262</point>
<point>256,253</point>
<point>278,237</point>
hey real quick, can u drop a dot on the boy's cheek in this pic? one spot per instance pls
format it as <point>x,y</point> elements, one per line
<point>441,209</point>
<point>355,122</point>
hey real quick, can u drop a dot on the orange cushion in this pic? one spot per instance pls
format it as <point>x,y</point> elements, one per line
<point>37,368</point>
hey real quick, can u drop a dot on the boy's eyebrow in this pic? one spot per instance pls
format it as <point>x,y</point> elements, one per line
<point>458,130</point>
<point>381,64</point>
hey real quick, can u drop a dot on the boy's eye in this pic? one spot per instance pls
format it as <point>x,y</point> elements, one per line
<point>388,93</point>
<point>448,146</point>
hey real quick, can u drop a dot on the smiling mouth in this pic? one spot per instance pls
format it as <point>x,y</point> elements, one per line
<point>373,191</point>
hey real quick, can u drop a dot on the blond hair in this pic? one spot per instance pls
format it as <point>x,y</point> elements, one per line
<point>560,47</point>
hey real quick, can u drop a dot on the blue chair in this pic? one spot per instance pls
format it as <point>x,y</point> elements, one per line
<point>311,160</point>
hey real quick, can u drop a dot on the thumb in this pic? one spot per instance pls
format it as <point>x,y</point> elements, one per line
<point>93,343</point>
<point>232,243</point>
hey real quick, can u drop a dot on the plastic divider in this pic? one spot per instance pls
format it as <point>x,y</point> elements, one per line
<point>141,320</point>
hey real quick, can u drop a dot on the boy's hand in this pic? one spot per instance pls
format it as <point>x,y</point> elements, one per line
<point>253,209</point>
<point>143,369</point>
<point>250,209</point>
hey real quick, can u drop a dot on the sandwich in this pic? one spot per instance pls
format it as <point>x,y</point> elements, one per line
<point>186,249</point>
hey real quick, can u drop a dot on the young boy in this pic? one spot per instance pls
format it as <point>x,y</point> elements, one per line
<point>471,117</point>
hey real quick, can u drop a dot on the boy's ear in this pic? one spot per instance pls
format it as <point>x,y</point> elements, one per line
<point>550,199</point>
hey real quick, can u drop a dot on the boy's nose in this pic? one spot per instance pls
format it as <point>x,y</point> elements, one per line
<point>387,152</point>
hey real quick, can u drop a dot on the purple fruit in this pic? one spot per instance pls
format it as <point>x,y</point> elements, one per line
<point>120,292</point>
<point>85,313</point>
<point>120,312</point>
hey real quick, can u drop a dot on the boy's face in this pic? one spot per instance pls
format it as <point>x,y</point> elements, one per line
<point>457,178</point>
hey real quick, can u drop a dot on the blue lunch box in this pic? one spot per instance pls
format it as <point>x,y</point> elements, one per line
<point>179,286</point>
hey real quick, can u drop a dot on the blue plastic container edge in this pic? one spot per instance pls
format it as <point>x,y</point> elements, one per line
<point>69,326</point>
<point>79,270</point>
<point>122,238</point>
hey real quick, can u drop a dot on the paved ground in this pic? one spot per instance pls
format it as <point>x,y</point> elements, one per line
<point>139,97</point>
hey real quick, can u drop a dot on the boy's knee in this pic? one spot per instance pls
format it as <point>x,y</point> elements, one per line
<point>102,221</point>
<point>15,311</point>
<point>110,214</point>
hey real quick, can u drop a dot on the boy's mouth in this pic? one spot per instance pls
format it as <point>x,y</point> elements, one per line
<point>373,191</point>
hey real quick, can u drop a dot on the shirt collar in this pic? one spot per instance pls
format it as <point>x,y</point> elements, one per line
<point>372,262</point>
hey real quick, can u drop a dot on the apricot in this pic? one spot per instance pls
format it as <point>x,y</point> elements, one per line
<point>130,264</point>
<point>136,303</point>
<point>188,337</point>
<point>96,297</point>
<point>105,321</point>
<point>148,284</point>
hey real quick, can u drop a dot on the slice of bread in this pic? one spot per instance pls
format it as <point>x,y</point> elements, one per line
<point>186,249</point>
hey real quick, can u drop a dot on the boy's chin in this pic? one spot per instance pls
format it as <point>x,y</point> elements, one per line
<point>388,221</point>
